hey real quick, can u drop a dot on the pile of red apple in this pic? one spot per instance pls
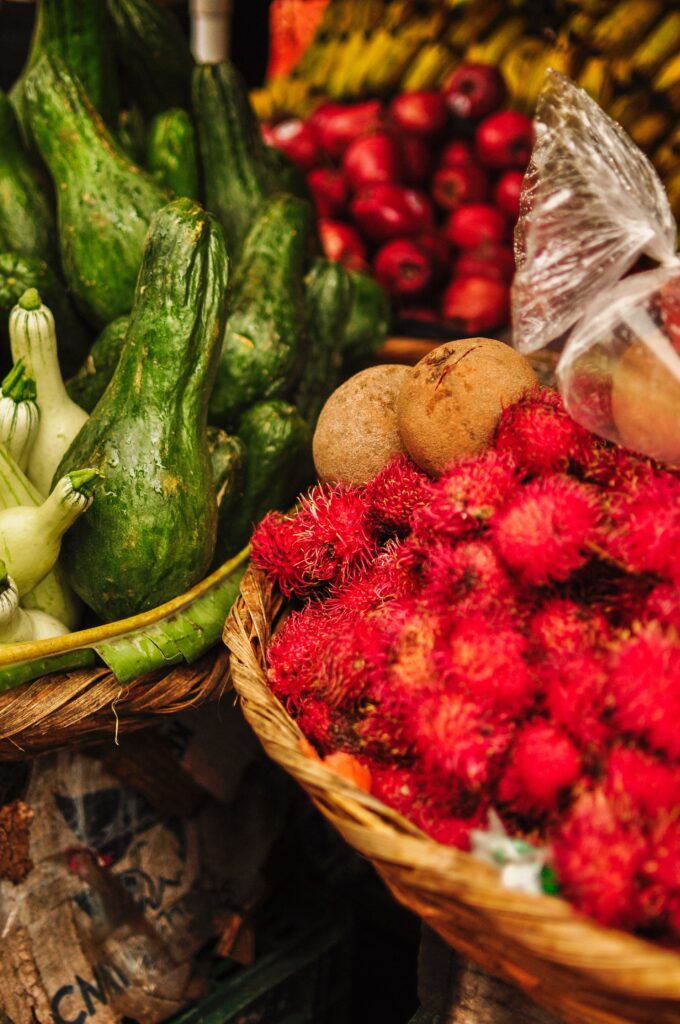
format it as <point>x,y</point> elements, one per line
<point>424,190</point>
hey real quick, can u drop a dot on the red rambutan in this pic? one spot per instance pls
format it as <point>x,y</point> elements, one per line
<point>544,533</point>
<point>293,653</point>
<point>562,626</point>
<point>314,718</point>
<point>616,468</point>
<point>337,534</point>
<point>650,785</point>
<point>663,606</point>
<point>458,738</point>
<point>276,548</point>
<point>660,894</point>
<point>540,436</point>
<point>395,493</point>
<point>465,497</point>
<point>645,528</point>
<point>644,682</point>
<point>542,764</point>
<point>450,831</point>
<point>599,853</point>
<point>350,657</point>
<point>486,660</point>
<point>575,687</point>
<point>467,577</point>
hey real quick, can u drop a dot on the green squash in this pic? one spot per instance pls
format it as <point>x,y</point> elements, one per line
<point>17,275</point>
<point>78,31</point>
<point>238,171</point>
<point>150,533</point>
<point>92,379</point>
<point>104,201</point>
<point>154,52</point>
<point>171,153</point>
<point>265,336</point>
<point>369,320</point>
<point>26,219</point>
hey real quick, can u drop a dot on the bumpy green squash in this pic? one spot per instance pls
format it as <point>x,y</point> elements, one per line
<point>369,319</point>
<point>26,219</point>
<point>17,275</point>
<point>78,31</point>
<point>92,379</point>
<point>154,53</point>
<point>104,201</point>
<point>237,169</point>
<point>278,443</point>
<point>151,531</point>
<point>329,291</point>
<point>265,335</point>
<point>171,152</point>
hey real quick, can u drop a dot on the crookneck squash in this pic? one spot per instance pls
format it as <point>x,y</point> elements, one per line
<point>171,152</point>
<point>104,201</point>
<point>265,335</point>
<point>151,531</point>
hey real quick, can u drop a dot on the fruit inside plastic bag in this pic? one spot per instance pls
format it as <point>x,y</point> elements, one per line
<point>591,206</point>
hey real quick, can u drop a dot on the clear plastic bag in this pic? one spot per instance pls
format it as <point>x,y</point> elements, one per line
<point>591,205</point>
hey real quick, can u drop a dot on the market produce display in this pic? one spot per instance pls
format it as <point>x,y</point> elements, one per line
<point>424,190</point>
<point>625,54</point>
<point>500,634</point>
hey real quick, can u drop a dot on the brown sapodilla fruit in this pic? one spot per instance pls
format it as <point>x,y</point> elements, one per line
<point>356,433</point>
<point>450,404</point>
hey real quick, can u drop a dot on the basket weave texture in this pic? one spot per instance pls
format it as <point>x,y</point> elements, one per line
<point>584,973</point>
<point>68,708</point>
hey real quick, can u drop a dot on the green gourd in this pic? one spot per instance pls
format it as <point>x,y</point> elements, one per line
<point>150,533</point>
<point>104,201</point>
<point>26,219</point>
<point>237,169</point>
<point>154,53</point>
<point>17,275</point>
<point>278,444</point>
<point>369,320</point>
<point>78,31</point>
<point>171,153</point>
<point>92,379</point>
<point>264,340</point>
<point>329,292</point>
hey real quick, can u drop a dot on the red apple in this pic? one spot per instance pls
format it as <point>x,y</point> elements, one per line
<point>487,260</point>
<point>339,124</point>
<point>475,90</point>
<point>329,191</point>
<point>402,268</point>
<point>387,211</point>
<point>342,243</point>
<point>454,186</point>
<point>416,159</point>
<point>507,192</point>
<point>372,158</point>
<point>438,249</point>
<point>420,113</point>
<point>473,225</point>
<point>505,139</point>
<point>456,153</point>
<point>299,141</point>
<point>267,133</point>
<point>478,304</point>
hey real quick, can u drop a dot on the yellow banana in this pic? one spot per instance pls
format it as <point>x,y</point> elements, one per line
<point>628,107</point>
<point>579,26</point>
<point>519,63</point>
<point>474,23</point>
<point>646,131</point>
<point>595,77</point>
<point>661,44</point>
<point>498,42</point>
<point>429,68</point>
<point>626,24</point>
<point>669,75</point>
<point>559,58</point>
<point>341,75</point>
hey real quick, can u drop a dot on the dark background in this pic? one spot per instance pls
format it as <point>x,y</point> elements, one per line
<point>386,937</point>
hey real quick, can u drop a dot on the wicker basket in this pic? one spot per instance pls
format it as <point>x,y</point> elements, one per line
<point>583,972</point>
<point>177,662</point>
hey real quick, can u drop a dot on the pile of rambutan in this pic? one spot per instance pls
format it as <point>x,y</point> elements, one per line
<point>506,636</point>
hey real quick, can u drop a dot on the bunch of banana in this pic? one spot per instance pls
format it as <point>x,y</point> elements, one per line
<point>625,25</point>
<point>667,82</point>
<point>394,44</point>
<point>430,67</point>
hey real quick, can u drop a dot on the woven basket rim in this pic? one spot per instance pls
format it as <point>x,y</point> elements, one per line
<point>539,933</point>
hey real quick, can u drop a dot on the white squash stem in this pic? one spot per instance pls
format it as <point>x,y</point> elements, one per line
<point>52,595</point>
<point>17,624</point>
<point>30,537</point>
<point>19,415</point>
<point>33,338</point>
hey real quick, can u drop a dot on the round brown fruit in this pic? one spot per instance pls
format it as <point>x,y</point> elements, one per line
<point>646,404</point>
<point>357,430</point>
<point>450,404</point>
